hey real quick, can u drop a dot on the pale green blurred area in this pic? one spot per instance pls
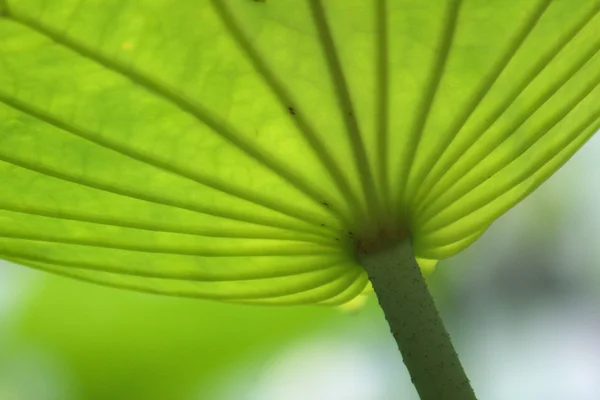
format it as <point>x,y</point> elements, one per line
<point>522,304</point>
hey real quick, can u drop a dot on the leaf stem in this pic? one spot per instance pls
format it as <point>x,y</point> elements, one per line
<point>425,345</point>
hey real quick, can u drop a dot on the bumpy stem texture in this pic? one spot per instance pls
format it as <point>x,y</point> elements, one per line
<point>415,323</point>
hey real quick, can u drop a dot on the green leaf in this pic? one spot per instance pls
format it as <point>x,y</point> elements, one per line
<point>241,150</point>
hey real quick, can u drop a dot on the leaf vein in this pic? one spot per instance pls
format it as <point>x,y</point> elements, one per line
<point>447,36</point>
<point>285,99</point>
<point>345,104</point>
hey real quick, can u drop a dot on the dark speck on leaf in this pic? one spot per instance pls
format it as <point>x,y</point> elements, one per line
<point>325,204</point>
<point>292,111</point>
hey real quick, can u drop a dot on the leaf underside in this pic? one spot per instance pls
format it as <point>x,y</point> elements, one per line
<point>234,150</point>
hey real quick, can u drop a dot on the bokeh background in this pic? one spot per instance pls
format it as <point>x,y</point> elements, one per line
<point>522,305</point>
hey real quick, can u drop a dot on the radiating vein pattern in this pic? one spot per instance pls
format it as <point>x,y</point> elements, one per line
<point>234,150</point>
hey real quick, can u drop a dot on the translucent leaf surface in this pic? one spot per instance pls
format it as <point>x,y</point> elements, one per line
<point>241,150</point>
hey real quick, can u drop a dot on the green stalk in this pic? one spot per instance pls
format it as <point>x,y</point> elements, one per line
<point>415,323</point>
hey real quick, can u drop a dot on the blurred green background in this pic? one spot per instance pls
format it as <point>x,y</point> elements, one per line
<point>522,305</point>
